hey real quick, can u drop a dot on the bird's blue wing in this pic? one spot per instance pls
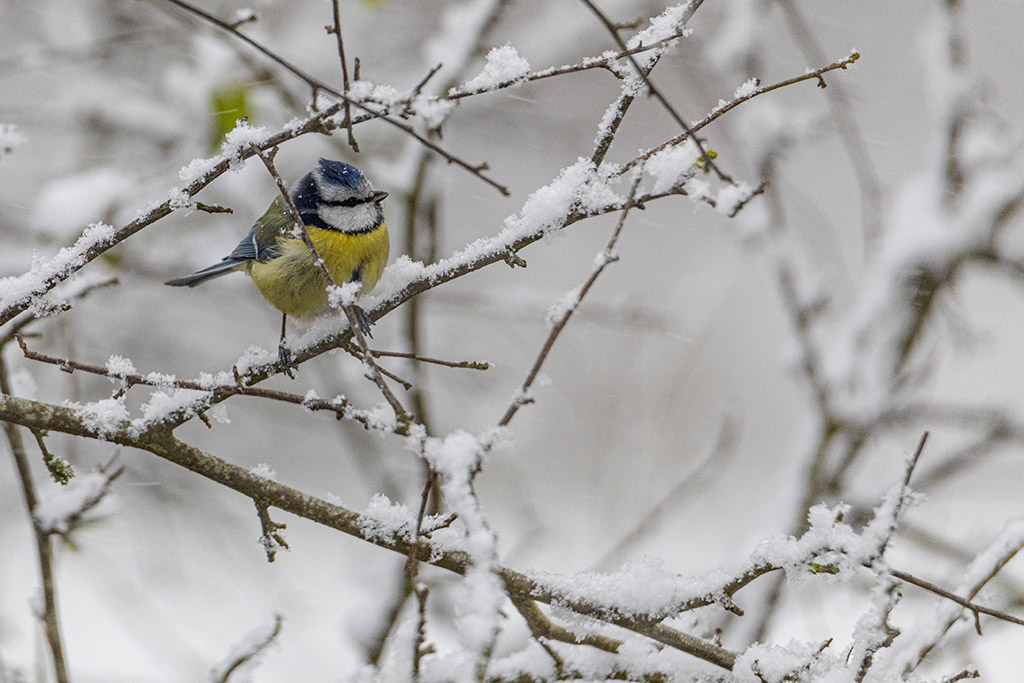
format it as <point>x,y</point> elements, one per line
<point>261,244</point>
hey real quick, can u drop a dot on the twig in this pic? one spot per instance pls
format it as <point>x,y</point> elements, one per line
<point>342,407</point>
<point>161,441</point>
<point>737,101</point>
<point>271,540</point>
<point>464,364</point>
<point>603,62</point>
<point>319,85</point>
<point>60,469</point>
<point>411,563</point>
<point>643,73</point>
<point>44,549</point>
<point>904,493</point>
<point>543,628</point>
<point>607,257</point>
<point>251,652</point>
<point>975,608</point>
<point>420,647</point>
<point>344,73</point>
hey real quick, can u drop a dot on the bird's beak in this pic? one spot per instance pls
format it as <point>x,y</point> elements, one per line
<point>378,197</point>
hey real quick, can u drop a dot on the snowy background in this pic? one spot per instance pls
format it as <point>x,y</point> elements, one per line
<point>672,420</point>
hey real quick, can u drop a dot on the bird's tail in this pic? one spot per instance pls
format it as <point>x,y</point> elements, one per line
<point>200,276</point>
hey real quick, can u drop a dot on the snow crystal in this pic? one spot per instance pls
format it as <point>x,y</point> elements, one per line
<point>663,26</point>
<point>560,309</point>
<point>577,186</point>
<point>166,403</point>
<point>731,195</point>
<point>667,166</point>
<point>120,366</point>
<point>643,587</point>
<point>58,505</point>
<point>104,418</point>
<point>453,455</point>
<point>431,110</point>
<point>478,606</point>
<point>456,457</point>
<point>15,290</point>
<point>828,543</point>
<point>383,520</point>
<point>776,663</point>
<point>747,89</point>
<point>181,201</point>
<point>264,471</point>
<point>238,140</point>
<point>343,295</point>
<point>503,65</point>
<point>381,417</point>
<point>198,170</point>
<point>254,356</point>
<point>361,90</point>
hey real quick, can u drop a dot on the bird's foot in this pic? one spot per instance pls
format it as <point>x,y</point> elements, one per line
<point>363,319</point>
<point>286,360</point>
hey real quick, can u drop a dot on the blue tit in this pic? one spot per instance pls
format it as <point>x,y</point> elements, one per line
<point>344,219</point>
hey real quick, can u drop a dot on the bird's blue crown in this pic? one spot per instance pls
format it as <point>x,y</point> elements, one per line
<point>340,173</point>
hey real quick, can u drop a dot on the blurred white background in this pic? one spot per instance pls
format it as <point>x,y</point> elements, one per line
<point>684,337</point>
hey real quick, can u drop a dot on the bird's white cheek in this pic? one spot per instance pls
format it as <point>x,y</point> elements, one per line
<point>348,218</point>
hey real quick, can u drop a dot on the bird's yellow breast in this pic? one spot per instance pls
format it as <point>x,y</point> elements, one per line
<point>295,285</point>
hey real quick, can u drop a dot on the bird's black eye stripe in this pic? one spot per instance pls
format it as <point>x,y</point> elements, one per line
<point>351,201</point>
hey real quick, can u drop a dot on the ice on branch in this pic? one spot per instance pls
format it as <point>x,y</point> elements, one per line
<point>119,366</point>
<point>15,290</point>
<point>238,140</point>
<point>750,87</point>
<point>731,196</point>
<point>383,520</point>
<point>432,111</point>
<point>566,304</point>
<point>198,170</point>
<point>456,458</point>
<point>235,143</point>
<point>672,164</point>
<point>380,418</point>
<point>643,589</point>
<point>665,26</point>
<point>762,663</point>
<point>109,417</point>
<point>504,65</point>
<point>180,200</point>
<point>343,295</point>
<point>578,188</point>
<point>59,506</point>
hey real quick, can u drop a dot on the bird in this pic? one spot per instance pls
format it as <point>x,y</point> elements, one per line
<point>345,222</point>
